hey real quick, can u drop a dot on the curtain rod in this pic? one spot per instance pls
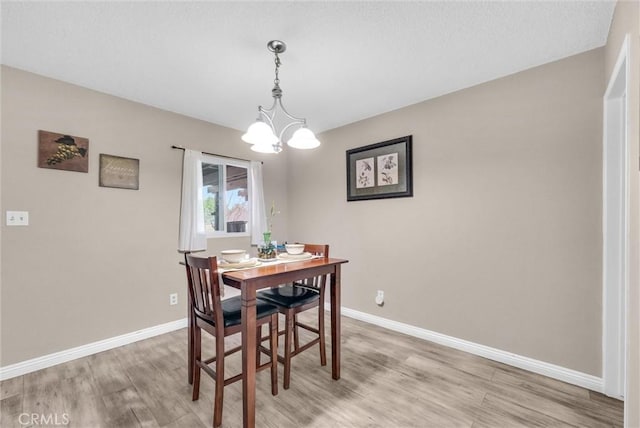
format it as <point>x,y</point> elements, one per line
<point>215,154</point>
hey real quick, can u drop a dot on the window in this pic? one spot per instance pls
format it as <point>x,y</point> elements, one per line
<point>225,197</point>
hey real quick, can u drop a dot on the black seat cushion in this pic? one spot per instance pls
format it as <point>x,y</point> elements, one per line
<point>232,310</point>
<point>288,296</point>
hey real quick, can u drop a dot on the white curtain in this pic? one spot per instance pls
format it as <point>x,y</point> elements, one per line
<point>192,236</point>
<point>258,216</point>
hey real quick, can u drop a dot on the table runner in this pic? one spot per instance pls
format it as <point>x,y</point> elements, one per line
<point>277,261</point>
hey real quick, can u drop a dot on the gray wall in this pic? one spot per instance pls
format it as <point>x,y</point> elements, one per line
<point>97,262</point>
<point>501,243</point>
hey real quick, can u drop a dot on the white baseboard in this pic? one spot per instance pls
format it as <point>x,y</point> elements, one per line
<point>45,361</point>
<point>551,370</point>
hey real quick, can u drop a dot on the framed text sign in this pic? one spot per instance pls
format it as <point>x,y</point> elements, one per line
<point>381,170</point>
<point>116,171</point>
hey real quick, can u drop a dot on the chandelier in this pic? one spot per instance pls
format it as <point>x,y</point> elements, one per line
<point>262,134</point>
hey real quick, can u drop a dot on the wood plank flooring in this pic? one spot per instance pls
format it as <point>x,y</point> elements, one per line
<point>388,380</point>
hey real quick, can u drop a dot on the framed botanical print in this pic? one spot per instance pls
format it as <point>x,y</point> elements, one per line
<point>381,170</point>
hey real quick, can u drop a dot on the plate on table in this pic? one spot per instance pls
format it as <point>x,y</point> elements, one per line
<point>273,259</point>
<point>301,256</point>
<point>253,262</point>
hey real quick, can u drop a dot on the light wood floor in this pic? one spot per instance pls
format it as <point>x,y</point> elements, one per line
<point>388,380</point>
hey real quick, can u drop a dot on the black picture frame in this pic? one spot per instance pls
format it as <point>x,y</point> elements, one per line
<point>382,170</point>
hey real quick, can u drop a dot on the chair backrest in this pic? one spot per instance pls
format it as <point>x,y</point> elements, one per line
<point>316,282</point>
<point>204,288</point>
<point>317,249</point>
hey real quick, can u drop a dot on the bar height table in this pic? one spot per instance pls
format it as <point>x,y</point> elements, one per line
<point>248,282</point>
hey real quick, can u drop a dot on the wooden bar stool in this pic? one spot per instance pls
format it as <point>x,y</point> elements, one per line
<point>291,299</point>
<point>222,318</point>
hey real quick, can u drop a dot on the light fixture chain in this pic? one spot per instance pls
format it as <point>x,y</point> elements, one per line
<point>277,61</point>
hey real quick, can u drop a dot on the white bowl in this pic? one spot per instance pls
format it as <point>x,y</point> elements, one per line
<point>294,248</point>
<point>233,256</point>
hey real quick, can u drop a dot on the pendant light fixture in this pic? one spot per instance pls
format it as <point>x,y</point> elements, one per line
<point>262,134</point>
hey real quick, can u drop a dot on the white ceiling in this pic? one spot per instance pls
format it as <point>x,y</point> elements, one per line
<point>345,61</point>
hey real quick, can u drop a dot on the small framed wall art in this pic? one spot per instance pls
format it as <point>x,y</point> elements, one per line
<point>381,170</point>
<point>60,151</point>
<point>116,171</point>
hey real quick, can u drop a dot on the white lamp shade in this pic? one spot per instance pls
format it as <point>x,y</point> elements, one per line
<point>303,138</point>
<point>260,133</point>
<point>264,148</point>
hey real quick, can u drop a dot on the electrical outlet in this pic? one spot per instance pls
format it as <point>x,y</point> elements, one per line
<point>380,298</point>
<point>173,298</point>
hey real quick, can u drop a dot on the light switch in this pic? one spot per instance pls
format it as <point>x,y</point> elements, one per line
<point>17,218</point>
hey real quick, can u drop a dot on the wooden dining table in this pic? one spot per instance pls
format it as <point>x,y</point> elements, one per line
<point>248,281</point>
